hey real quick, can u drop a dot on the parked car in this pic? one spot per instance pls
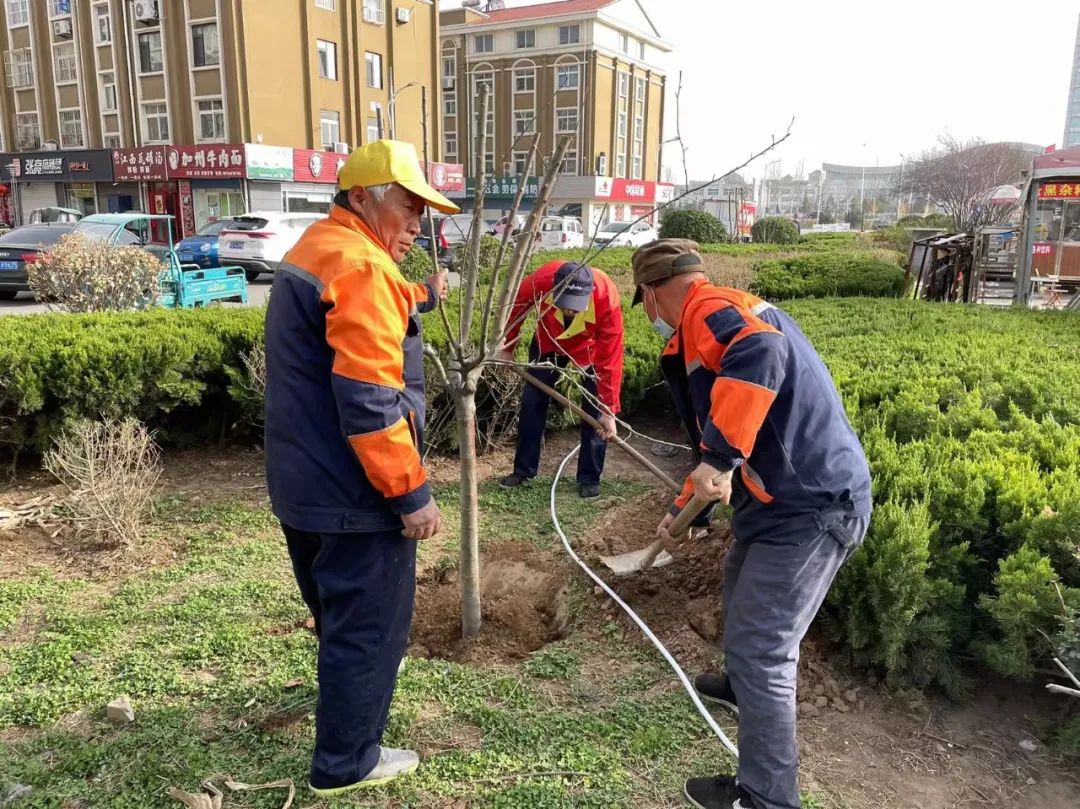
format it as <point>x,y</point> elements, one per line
<point>559,232</point>
<point>515,227</point>
<point>54,215</point>
<point>259,241</point>
<point>623,234</point>
<point>202,248</point>
<point>451,232</point>
<point>23,246</point>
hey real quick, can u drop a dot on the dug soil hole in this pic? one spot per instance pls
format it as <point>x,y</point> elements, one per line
<point>524,595</point>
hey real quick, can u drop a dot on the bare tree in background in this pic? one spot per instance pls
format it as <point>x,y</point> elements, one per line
<point>960,177</point>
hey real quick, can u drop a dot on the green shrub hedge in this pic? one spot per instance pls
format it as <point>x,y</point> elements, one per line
<point>775,230</point>
<point>833,274</point>
<point>700,226</point>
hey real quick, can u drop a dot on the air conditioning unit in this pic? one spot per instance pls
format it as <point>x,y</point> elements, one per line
<point>448,83</point>
<point>341,148</point>
<point>146,10</point>
<point>403,15</point>
<point>62,29</point>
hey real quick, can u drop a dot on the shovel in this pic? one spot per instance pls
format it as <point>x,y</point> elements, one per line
<point>654,555</point>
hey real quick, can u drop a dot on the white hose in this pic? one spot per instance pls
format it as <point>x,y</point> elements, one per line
<point>634,616</point>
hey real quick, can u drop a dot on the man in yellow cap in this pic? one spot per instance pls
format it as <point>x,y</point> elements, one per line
<point>344,443</point>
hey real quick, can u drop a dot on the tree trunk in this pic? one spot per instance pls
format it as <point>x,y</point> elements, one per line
<point>465,404</point>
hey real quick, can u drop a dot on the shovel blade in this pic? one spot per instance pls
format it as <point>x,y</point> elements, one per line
<point>624,564</point>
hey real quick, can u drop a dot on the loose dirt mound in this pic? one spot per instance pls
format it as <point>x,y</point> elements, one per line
<point>524,600</point>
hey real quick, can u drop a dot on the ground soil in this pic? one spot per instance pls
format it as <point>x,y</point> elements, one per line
<point>862,746</point>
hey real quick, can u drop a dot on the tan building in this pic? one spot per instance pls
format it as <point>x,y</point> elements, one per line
<point>585,68</point>
<point>92,74</point>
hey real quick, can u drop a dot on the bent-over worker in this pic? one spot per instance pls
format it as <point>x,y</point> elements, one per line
<point>579,321</point>
<point>772,436</point>
<point>344,442</point>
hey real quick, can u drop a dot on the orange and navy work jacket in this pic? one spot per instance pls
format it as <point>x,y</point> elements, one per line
<point>755,397</point>
<point>345,383</point>
<point>593,339</point>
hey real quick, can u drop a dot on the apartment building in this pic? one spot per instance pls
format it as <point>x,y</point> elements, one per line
<point>218,76</point>
<point>585,68</point>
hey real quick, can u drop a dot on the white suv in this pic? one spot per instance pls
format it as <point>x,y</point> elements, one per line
<point>259,241</point>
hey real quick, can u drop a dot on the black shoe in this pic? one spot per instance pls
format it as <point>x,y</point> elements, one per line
<point>512,481</point>
<point>717,793</point>
<point>716,689</point>
<point>589,491</point>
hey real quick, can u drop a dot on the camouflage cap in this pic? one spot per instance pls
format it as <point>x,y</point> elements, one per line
<point>662,259</point>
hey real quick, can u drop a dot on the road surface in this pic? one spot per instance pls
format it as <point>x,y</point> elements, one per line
<point>25,304</point>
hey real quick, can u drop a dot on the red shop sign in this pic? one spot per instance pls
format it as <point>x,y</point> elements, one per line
<point>312,166</point>
<point>1043,249</point>
<point>211,161</point>
<point>446,176</point>
<point>621,189</point>
<point>135,165</point>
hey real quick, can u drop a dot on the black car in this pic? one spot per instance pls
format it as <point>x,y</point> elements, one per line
<point>451,232</point>
<point>23,246</point>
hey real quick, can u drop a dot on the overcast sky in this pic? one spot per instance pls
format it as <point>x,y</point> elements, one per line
<point>865,81</point>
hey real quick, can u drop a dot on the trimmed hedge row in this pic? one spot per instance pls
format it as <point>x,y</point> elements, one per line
<point>837,274</point>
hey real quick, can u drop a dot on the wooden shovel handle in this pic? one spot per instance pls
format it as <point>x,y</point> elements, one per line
<point>679,526</point>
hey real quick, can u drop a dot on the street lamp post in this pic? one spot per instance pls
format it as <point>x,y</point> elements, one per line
<point>393,104</point>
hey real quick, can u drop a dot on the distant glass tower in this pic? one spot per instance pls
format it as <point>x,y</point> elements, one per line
<point>1072,115</point>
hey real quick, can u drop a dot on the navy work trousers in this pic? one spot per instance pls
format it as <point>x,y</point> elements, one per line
<point>360,589</point>
<point>533,421</point>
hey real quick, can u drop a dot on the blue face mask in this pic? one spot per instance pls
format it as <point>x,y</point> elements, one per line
<point>665,329</point>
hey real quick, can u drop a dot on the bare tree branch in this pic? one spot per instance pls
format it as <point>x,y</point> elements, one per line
<point>472,277</point>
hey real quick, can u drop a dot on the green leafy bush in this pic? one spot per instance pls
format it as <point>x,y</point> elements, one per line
<point>701,227</point>
<point>934,220</point>
<point>416,266</point>
<point>828,274</point>
<point>775,230</point>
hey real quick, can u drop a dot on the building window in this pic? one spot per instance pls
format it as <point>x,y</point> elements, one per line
<point>566,120</point>
<point>483,43</point>
<point>59,8</point>
<point>27,132</point>
<point>569,163</point>
<point>569,34</point>
<point>111,142</point>
<point>155,123</point>
<point>521,160</point>
<point>327,59</point>
<point>108,92</point>
<point>150,52</point>
<point>102,25</point>
<point>526,38</point>
<point>566,77</point>
<point>18,13</point>
<point>639,90</point>
<point>524,122</point>
<point>372,129</point>
<point>19,68</point>
<point>624,42</point>
<point>211,120</point>
<point>489,163</point>
<point>624,85</point>
<point>329,5</point>
<point>374,70</point>
<point>373,12</point>
<point>637,168</point>
<point>524,80</point>
<point>641,50</point>
<point>483,79</point>
<point>449,106</point>
<point>329,128</point>
<point>71,134</point>
<point>65,68</point>
<point>449,67</point>
<point>204,44</point>
<point>450,144</point>
<point>620,166</point>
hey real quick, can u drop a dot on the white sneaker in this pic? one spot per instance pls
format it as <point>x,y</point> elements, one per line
<point>392,764</point>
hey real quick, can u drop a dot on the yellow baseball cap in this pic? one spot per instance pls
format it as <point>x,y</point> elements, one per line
<point>391,161</point>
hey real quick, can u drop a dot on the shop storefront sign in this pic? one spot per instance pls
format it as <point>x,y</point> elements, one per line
<point>211,161</point>
<point>1059,191</point>
<point>620,189</point>
<point>82,190</point>
<point>144,164</point>
<point>90,166</point>
<point>505,187</point>
<point>187,209</point>
<point>268,162</point>
<point>312,166</point>
<point>448,177</point>
<point>1043,249</point>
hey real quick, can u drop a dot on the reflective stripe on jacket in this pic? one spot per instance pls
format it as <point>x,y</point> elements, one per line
<point>345,383</point>
<point>754,395</point>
